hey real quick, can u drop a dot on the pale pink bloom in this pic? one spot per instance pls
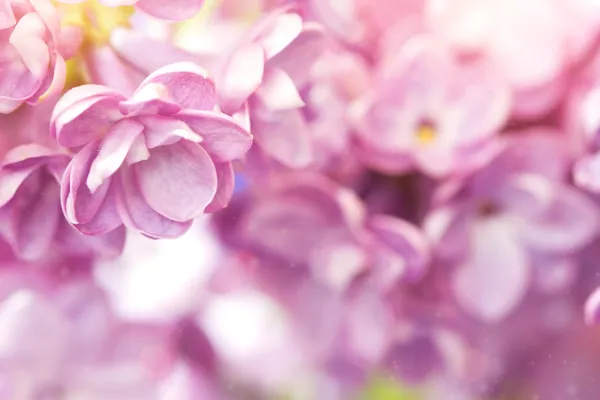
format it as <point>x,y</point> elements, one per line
<point>30,63</point>
<point>30,216</point>
<point>153,162</point>
<point>535,43</point>
<point>166,9</point>
<point>429,111</point>
<point>265,73</point>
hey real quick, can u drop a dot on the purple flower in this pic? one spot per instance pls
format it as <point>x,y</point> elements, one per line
<point>310,222</point>
<point>29,59</point>
<point>511,223</point>
<point>265,72</point>
<point>30,216</point>
<point>153,162</point>
<point>429,111</point>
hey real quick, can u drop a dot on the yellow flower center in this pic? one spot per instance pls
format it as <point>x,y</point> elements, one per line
<point>425,133</point>
<point>96,22</point>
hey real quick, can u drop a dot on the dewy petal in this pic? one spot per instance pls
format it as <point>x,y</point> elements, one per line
<point>241,77</point>
<point>178,181</point>
<point>163,131</point>
<point>222,137</point>
<point>114,148</point>
<point>495,276</point>
<point>138,215</point>
<point>175,10</point>
<point>186,84</point>
<point>278,91</point>
<point>225,186</point>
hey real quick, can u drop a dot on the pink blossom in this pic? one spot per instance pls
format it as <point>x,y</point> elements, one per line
<point>30,216</point>
<point>429,111</point>
<point>30,63</point>
<point>153,162</point>
<point>265,72</point>
<point>166,9</point>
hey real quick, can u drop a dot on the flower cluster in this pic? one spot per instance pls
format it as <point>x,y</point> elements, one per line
<point>300,199</point>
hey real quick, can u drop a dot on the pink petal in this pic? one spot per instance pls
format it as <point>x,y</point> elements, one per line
<point>105,67</point>
<point>107,217</point>
<point>284,136</point>
<point>80,205</point>
<point>186,84</point>
<point>225,186</point>
<point>7,17</point>
<point>11,181</point>
<point>39,222</point>
<point>587,173</point>
<point>279,32</point>
<point>83,115</point>
<point>278,91</point>
<point>177,181</point>
<point>114,147</point>
<point>592,308</point>
<point>26,156</point>
<point>176,10</point>
<point>495,277</point>
<point>222,137</point>
<point>405,241</point>
<point>160,131</point>
<point>241,77</point>
<point>28,39</point>
<point>298,58</point>
<point>568,224</point>
<point>150,99</point>
<point>136,213</point>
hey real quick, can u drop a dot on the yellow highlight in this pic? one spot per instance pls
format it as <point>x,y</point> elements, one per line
<point>425,134</point>
<point>97,21</point>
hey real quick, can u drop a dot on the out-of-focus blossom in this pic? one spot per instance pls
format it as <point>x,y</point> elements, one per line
<point>153,162</point>
<point>31,64</point>
<point>165,9</point>
<point>265,74</point>
<point>510,221</point>
<point>315,224</point>
<point>30,216</point>
<point>545,40</point>
<point>427,110</point>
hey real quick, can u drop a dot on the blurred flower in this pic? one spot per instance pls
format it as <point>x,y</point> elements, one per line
<point>154,162</point>
<point>429,111</point>
<point>509,218</point>
<point>170,10</point>
<point>30,216</point>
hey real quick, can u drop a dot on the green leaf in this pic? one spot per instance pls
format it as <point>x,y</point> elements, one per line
<point>383,388</point>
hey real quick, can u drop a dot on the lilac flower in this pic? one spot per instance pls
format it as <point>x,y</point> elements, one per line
<point>30,216</point>
<point>265,72</point>
<point>30,62</point>
<point>429,111</point>
<point>312,223</point>
<point>166,9</point>
<point>153,162</point>
<point>510,222</point>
